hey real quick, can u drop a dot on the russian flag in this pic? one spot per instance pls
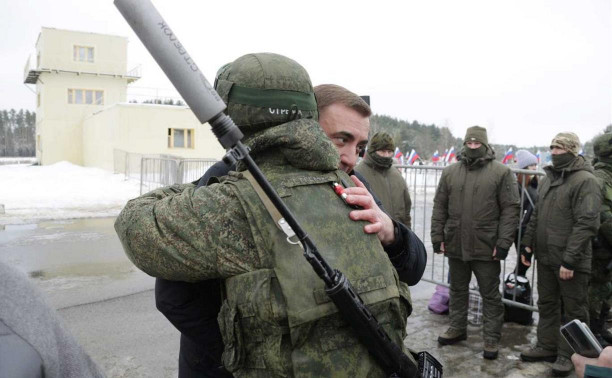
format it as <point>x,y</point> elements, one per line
<point>413,157</point>
<point>443,158</point>
<point>398,153</point>
<point>435,157</point>
<point>450,156</point>
<point>508,157</point>
<point>538,156</point>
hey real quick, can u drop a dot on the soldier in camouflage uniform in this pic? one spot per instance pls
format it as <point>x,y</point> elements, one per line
<point>276,319</point>
<point>475,215</point>
<point>600,287</point>
<point>564,221</point>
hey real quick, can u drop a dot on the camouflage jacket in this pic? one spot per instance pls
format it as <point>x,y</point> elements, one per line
<point>566,217</point>
<point>276,320</point>
<point>602,248</point>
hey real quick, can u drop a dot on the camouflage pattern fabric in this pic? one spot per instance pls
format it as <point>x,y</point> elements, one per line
<point>274,78</point>
<point>381,141</point>
<point>567,141</point>
<point>188,234</point>
<point>600,287</point>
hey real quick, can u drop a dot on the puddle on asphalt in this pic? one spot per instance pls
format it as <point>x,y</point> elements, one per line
<point>112,270</point>
<point>18,227</point>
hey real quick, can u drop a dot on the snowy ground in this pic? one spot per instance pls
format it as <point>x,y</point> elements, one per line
<point>61,191</point>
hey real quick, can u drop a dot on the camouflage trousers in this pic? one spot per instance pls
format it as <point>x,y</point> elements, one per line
<point>487,275</point>
<point>551,289</point>
<point>600,287</point>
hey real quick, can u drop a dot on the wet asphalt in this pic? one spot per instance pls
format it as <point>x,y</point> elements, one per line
<point>109,306</point>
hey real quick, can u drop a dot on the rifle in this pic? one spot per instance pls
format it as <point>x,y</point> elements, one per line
<point>207,106</point>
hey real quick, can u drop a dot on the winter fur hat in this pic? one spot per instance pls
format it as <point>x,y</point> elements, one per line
<point>525,158</point>
<point>476,134</point>
<point>567,141</point>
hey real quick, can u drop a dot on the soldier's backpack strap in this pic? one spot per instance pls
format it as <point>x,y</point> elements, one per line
<point>276,216</point>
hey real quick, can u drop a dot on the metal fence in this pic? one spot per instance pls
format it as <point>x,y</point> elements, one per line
<point>422,182</point>
<point>158,172</point>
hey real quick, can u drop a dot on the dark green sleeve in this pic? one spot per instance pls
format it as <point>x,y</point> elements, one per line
<point>586,203</point>
<point>440,210</point>
<point>180,233</point>
<point>509,205</point>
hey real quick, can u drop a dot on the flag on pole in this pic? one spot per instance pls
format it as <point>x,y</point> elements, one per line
<point>538,156</point>
<point>450,156</point>
<point>398,154</point>
<point>508,156</point>
<point>414,156</point>
<point>435,157</point>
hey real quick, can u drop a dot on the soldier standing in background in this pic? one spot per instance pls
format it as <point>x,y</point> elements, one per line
<point>562,226</point>
<point>386,181</point>
<point>475,215</point>
<point>600,287</point>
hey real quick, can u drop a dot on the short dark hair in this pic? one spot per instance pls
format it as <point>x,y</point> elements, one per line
<point>328,94</point>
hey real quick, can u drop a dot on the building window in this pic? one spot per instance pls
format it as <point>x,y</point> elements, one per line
<point>85,96</point>
<point>181,138</point>
<point>83,54</point>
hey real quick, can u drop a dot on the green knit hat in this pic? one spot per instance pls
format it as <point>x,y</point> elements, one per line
<point>476,134</point>
<point>381,141</point>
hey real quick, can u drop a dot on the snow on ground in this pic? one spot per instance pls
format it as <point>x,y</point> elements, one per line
<point>61,191</point>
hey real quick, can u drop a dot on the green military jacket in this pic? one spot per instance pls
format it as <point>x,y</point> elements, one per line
<point>276,319</point>
<point>476,208</point>
<point>602,248</point>
<point>566,216</point>
<point>390,187</point>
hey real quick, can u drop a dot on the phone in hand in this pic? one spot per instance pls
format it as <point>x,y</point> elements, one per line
<point>579,336</point>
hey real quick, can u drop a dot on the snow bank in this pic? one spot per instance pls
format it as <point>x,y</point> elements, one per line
<point>60,191</point>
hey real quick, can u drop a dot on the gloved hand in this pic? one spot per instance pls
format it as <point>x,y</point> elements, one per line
<point>437,247</point>
<point>500,253</point>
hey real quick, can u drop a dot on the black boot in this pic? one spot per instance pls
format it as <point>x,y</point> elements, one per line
<point>597,327</point>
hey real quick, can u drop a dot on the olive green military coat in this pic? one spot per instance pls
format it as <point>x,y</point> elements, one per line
<point>476,208</point>
<point>390,187</point>
<point>566,217</point>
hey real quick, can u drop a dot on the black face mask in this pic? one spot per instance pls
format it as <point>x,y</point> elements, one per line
<point>476,153</point>
<point>562,160</point>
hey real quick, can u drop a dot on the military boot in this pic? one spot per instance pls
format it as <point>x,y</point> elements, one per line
<point>598,328</point>
<point>452,336</point>
<point>491,348</point>
<point>562,367</point>
<point>535,354</point>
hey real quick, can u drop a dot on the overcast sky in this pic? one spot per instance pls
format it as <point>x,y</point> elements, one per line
<point>525,69</point>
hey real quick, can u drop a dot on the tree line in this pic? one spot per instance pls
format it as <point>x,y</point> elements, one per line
<point>18,130</point>
<point>17,133</point>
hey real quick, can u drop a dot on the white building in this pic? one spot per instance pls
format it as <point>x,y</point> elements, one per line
<point>82,113</point>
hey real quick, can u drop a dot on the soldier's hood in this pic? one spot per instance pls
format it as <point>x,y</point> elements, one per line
<point>579,164</point>
<point>301,143</point>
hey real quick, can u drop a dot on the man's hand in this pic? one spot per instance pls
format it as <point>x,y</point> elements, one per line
<point>439,248</point>
<point>604,359</point>
<point>380,223</point>
<point>566,274</point>
<point>524,258</point>
<point>500,253</point>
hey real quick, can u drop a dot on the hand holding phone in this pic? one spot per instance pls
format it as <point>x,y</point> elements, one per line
<point>581,339</point>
